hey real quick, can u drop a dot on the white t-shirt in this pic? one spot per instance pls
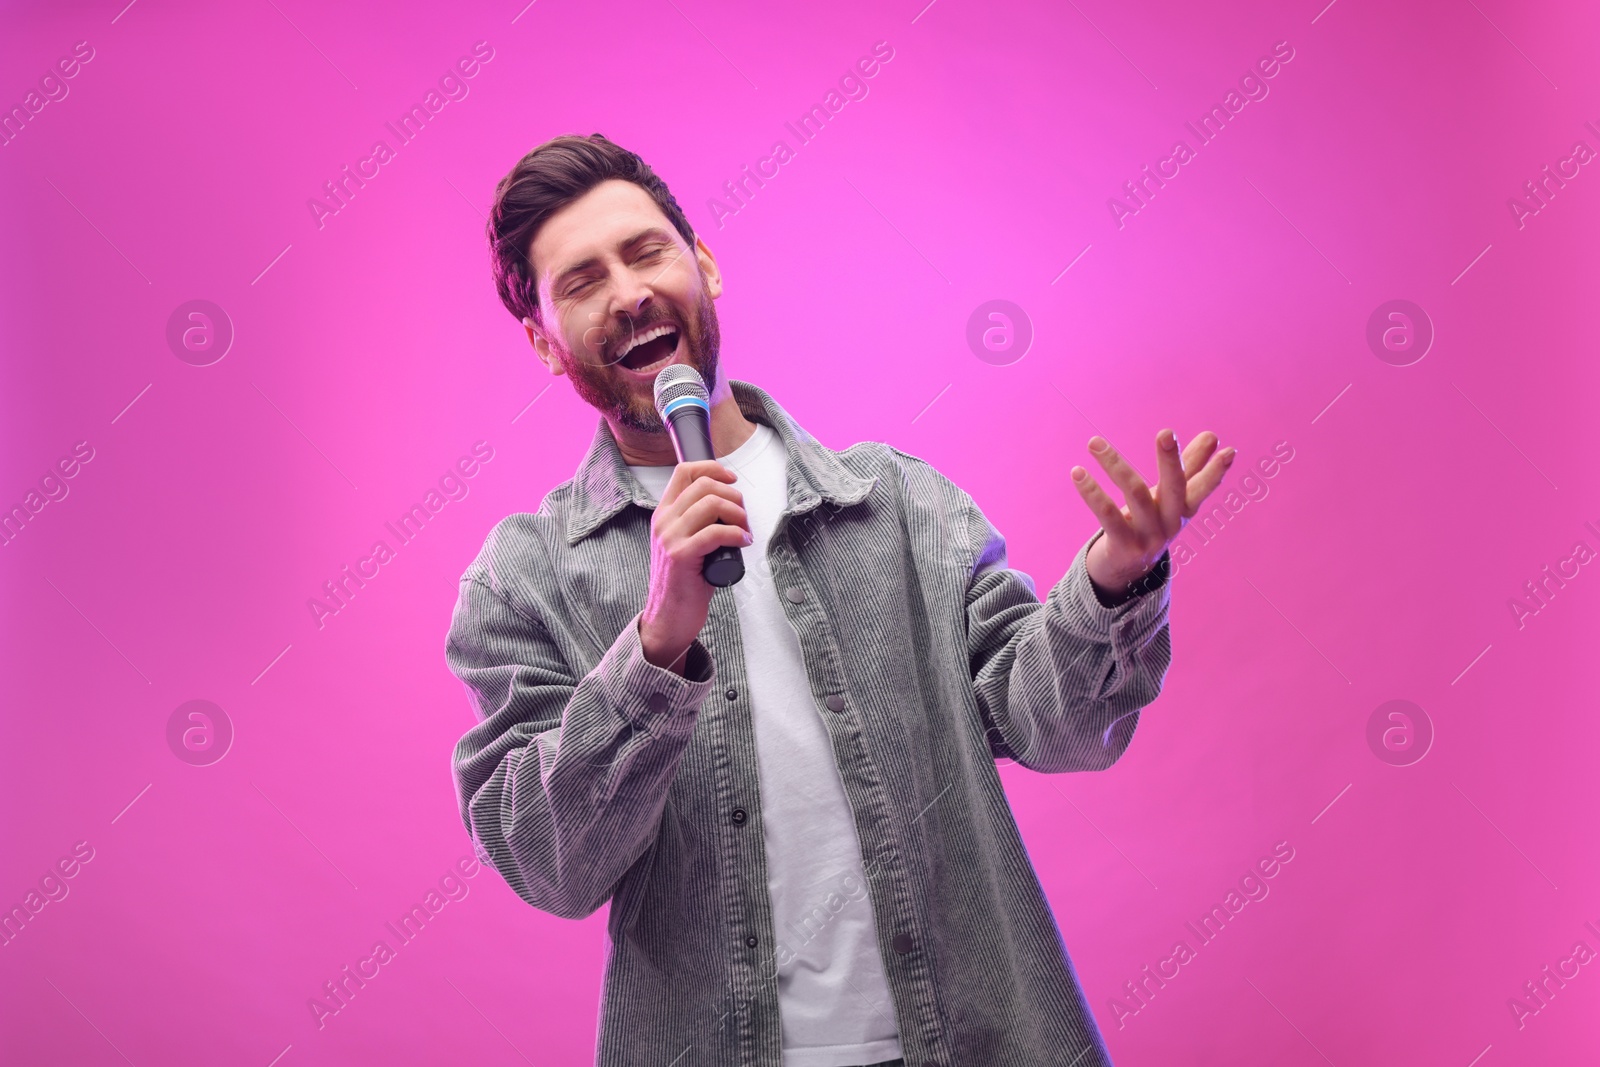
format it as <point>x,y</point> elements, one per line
<point>834,1001</point>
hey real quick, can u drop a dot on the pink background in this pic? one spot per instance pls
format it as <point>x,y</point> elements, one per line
<point>371,353</point>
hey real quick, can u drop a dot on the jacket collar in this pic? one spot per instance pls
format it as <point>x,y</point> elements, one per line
<point>604,485</point>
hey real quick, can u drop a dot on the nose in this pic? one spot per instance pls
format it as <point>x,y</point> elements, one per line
<point>633,295</point>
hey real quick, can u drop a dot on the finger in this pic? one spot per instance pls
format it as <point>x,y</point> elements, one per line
<point>714,536</point>
<point>707,510</point>
<point>1173,491</point>
<point>684,474</point>
<point>703,486</point>
<point>1198,451</point>
<point>1206,481</point>
<point>1134,490</point>
<point>1105,509</point>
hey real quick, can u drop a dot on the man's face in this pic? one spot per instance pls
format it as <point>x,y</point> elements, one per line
<point>612,274</point>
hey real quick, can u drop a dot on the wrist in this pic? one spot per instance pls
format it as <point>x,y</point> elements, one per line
<point>660,654</point>
<point>1115,583</point>
<point>1109,573</point>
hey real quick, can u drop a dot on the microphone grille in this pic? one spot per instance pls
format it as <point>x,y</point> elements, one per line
<point>679,382</point>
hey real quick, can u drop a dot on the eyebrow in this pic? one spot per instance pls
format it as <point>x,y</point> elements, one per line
<point>583,265</point>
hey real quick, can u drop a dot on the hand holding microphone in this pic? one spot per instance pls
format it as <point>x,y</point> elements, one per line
<point>697,529</point>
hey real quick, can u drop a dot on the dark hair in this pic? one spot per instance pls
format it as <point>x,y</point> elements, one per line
<point>543,182</point>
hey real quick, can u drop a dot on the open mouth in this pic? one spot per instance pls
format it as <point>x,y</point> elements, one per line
<point>651,350</point>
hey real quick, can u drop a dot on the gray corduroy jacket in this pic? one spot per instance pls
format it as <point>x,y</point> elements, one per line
<point>594,775</point>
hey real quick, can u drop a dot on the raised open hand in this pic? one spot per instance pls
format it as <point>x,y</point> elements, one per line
<point>1137,534</point>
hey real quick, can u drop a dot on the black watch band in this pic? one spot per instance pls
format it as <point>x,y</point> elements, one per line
<point>1152,580</point>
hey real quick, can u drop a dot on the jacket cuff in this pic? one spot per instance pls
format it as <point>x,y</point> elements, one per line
<point>1142,602</point>
<point>654,698</point>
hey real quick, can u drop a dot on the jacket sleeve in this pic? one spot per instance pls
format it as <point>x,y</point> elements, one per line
<point>562,783</point>
<point>1060,684</point>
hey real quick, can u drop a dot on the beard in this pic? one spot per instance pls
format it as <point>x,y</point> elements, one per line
<point>610,392</point>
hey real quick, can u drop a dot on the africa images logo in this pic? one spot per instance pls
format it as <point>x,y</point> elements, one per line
<point>453,486</point>
<point>452,86</point>
<point>1253,87</point>
<point>852,86</point>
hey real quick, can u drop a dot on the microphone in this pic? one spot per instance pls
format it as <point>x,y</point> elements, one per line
<point>685,410</point>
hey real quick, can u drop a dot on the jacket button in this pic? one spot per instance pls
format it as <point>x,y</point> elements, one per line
<point>795,594</point>
<point>732,693</point>
<point>752,941</point>
<point>738,815</point>
<point>835,702</point>
<point>902,943</point>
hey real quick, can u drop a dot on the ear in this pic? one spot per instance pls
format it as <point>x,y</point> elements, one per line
<point>708,267</point>
<point>541,346</point>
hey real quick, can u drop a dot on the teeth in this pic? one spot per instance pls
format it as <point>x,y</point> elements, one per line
<point>649,335</point>
<point>662,362</point>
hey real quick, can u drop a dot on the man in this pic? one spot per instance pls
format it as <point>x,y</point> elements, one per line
<point>785,788</point>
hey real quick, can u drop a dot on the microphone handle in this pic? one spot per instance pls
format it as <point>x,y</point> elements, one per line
<point>691,436</point>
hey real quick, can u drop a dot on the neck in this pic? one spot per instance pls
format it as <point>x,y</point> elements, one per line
<point>729,430</point>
